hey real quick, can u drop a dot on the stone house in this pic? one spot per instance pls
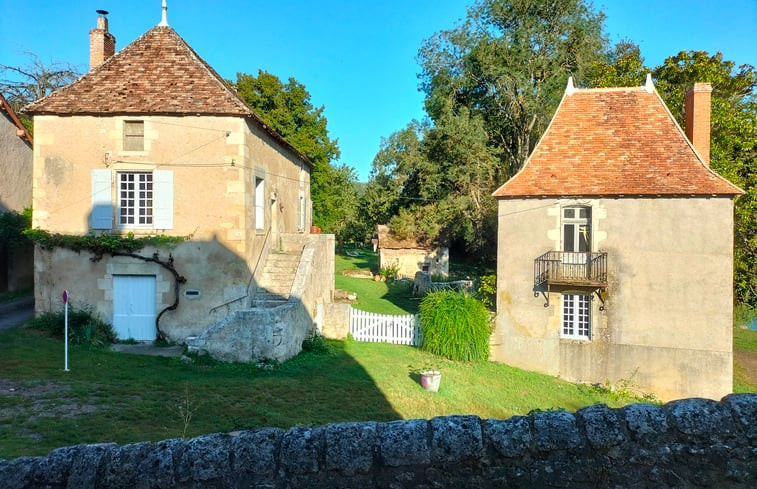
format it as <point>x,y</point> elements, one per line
<point>16,262</point>
<point>410,256</point>
<point>615,248</point>
<point>152,141</point>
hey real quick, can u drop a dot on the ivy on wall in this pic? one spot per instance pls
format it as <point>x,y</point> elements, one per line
<point>117,245</point>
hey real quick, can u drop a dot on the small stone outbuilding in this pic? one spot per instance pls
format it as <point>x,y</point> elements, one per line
<point>411,256</point>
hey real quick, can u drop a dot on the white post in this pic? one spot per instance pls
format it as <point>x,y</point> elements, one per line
<point>65,331</point>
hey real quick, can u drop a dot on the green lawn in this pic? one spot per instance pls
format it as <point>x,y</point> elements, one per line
<point>123,398</point>
<point>380,297</point>
<point>745,360</point>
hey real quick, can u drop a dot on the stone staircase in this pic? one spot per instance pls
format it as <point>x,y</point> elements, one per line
<point>275,282</point>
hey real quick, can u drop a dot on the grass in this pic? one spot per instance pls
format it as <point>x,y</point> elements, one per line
<point>380,297</point>
<point>116,397</point>
<point>744,345</point>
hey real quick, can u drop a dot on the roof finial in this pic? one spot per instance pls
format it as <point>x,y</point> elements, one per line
<point>649,86</point>
<point>570,89</point>
<point>164,17</point>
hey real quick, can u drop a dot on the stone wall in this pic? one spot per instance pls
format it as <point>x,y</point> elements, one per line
<point>687,443</point>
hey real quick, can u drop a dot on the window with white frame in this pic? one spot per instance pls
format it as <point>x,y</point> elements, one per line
<point>134,135</point>
<point>576,224</point>
<point>259,203</point>
<point>135,196</point>
<point>576,316</point>
<point>142,199</point>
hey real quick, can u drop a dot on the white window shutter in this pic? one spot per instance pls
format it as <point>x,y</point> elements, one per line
<point>162,199</point>
<point>101,215</point>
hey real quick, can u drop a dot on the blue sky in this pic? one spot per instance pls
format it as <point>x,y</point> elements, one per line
<point>355,57</point>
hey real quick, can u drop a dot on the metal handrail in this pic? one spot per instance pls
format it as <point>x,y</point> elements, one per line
<point>568,267</point>
<point>252,276</point>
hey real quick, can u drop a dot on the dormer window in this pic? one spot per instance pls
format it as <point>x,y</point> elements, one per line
<point>134,135</point>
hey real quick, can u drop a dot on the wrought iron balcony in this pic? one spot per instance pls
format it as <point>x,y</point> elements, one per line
<point>571,268</point>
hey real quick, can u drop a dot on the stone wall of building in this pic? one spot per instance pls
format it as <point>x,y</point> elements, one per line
<point>687,443</point>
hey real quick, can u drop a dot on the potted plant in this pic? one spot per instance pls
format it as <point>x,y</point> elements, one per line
<point>431,377</point>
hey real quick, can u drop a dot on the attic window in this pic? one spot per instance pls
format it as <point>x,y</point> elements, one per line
<point>134,135</point>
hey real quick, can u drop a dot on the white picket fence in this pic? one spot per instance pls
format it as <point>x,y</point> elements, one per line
<point>372,327</point>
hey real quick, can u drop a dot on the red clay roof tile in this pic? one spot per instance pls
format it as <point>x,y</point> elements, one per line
<point>157,74</point>
<point>614,141</point>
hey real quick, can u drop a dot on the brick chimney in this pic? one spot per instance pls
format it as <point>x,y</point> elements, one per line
<point>697,110</point>
<point>102,44</point>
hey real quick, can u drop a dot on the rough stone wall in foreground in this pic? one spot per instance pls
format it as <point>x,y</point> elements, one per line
<point>688,443</point>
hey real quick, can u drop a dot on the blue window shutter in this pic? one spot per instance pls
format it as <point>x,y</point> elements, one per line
<point>162,199</point>
<point>101,215</point>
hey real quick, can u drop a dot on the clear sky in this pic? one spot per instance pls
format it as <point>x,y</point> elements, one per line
<point>355,57</point>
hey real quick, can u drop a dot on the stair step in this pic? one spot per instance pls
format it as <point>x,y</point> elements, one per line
<point>264,303</point>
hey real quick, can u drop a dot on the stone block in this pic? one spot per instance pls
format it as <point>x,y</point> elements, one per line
<point>510,437</point>
<point>556,430</point>
<point>456,438</point>
<point>404,442</point>
<point>350,447</point>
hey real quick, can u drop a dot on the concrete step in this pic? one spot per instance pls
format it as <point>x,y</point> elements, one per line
<point>261,303</point>
<point>279,289</point>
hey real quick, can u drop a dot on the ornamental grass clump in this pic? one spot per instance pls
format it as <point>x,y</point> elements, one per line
<point>455,325</point>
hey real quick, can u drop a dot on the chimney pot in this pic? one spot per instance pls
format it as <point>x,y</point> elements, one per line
<point>102,44</point>
<point>697,109</point>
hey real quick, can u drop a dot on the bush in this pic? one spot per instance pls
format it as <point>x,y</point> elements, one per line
<point>316,344</point>
<point>455,325</point>
<point>84,328</point>
<point>487,291</point>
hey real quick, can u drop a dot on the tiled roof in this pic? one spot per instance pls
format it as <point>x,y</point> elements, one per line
<point>156,74</point>
<point>614,141</point>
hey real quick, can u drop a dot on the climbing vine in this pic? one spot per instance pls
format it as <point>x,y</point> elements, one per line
<point>117,245</point>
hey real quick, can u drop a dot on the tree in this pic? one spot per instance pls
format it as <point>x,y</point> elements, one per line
<point>22,85</point>
<point>508,64</point>
<point>733,142</point>
<point>623,66</point>
<point>288,110</point>
<point>491,86</point>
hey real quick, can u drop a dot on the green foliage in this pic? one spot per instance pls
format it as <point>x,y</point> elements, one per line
<point>100,244</point>
<point>287,108</point>
<point>84,327</point>
<point>733,143</point>
<point>622,66</point>
<point>316,345</point>
<point>487,291</point>
<point>455,325</point>
<point>390,272</point>
<point>491,86</point>
<point>12,228</point>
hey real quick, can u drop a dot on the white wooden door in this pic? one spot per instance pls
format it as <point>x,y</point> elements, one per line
<point>134,307</point>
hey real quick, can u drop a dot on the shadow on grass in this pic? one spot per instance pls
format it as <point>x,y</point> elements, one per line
<point>124,398</point>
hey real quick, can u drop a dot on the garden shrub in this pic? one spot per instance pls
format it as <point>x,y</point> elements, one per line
<point>84,327</point>
<point>455,325</point>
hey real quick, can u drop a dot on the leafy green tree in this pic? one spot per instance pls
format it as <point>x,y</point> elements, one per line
<point>623,66</point>
<point>491,86</point>
<point>733,142</point>
<point>287,108</point>
<point>507,64</point>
